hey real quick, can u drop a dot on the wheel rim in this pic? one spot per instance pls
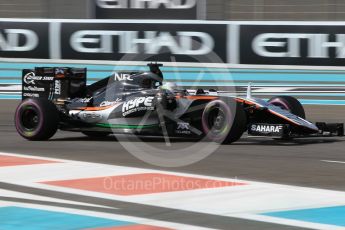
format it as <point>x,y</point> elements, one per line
<point>30,119</point>
<point>217,120</point>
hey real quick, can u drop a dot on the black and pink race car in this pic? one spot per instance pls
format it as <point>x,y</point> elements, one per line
<point>141,103</point>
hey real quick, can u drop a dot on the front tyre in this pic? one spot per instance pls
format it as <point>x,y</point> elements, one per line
<point>224,123</point>
<point>36,119</point>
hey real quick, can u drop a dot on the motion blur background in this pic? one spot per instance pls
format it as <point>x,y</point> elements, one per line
<point>319,10</point>
<point>250,39</point>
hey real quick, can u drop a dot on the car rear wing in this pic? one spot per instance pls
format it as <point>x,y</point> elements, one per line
<point>54,83</point>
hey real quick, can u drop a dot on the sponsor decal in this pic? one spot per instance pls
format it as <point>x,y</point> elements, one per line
<point>122,77</point>
<point>266,128</point>
<point>152,42</point>
<point>110,103</point>
<point>31,95</point>
<point>149,9</point>
<point>84,100</point>
<point>138,104</point>
<point>147,4</point>
<point>288,45</point>
<point>18,40</point>
<point>23,39</point>
<point>183,128</point>
<point>33,89</point>
<point>138,41</point>
<point>92,117</point>
<point>292,45</point>
<point>57,87</point>
<point>59,72</point>
<point>29,78</point>
<point>47,78</point>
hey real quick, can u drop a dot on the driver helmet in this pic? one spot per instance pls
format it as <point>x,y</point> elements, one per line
<point>146,83</point>
<point>170,86</point>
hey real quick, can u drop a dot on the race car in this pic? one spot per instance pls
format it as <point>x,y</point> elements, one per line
<point>142,103</point>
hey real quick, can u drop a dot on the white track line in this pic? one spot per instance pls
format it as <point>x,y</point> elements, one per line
<point>273,90</point>
<point>295,223</point>
<point>337,162</point>
<point>12,194</point>
<point>11,87</point>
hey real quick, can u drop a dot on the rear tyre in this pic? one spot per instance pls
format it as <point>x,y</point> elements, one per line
<point>36,119</point>
<point>289,103</point>
<point>94,134</point>
<point>223,122</point>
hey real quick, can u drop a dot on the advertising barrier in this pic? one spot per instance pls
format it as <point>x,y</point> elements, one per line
<point>301,59</point>
<point>150,9</point>
<point>143,41</point>
<point>310,45</point>
<point>24,39</point>
<point>243,43</point>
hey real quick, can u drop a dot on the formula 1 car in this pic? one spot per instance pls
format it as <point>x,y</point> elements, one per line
<point>139,103</point>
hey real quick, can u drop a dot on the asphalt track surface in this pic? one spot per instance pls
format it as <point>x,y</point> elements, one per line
<point>297,162</point>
